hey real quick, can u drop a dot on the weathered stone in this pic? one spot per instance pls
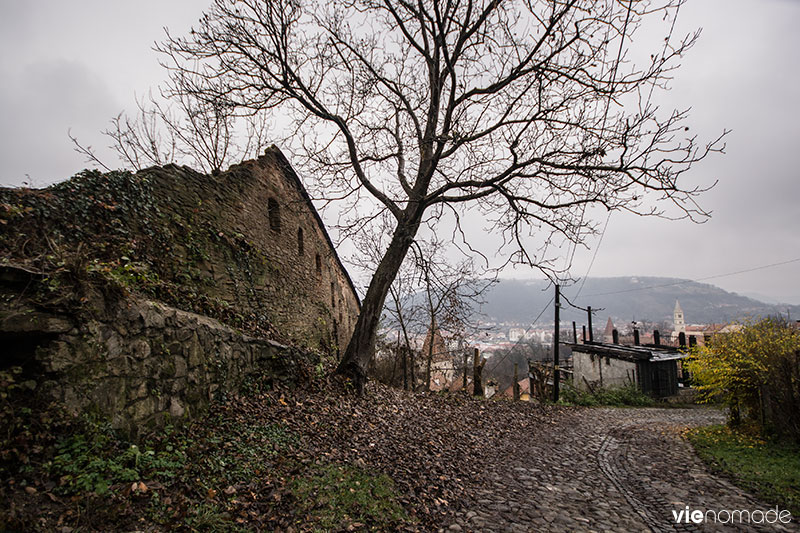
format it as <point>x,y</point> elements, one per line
<point>194,351</point>
<point>174,348</point>
<point>180,366</point>
<point>176,410</point>
<point>30,321</point>
<point>140,348</point>
<point>148,377</point>
<point>59,357</point>
<point>138,389</point>
<point>114,344</point>
<point>143,409</point>
<point>152,317</point>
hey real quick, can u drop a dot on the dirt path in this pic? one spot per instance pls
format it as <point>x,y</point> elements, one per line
<point>605,470</point>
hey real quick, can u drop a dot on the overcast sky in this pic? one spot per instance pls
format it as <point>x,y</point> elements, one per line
<point>74,65</point>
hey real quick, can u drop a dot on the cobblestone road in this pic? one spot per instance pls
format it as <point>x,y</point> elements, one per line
<point>607,470</point>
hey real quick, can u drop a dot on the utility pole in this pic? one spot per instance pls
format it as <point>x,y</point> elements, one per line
<point>466,365</point>
<point>556,373</point>
<point>477,371</point>
<point>405,361</point>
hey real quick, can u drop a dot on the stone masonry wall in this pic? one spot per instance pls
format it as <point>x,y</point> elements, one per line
<point>307,283</point>
<point>141,364</point>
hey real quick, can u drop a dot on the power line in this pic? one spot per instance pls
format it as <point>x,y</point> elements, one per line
<point>684,282</point>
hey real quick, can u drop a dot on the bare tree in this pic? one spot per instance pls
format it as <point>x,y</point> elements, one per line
<point>429,291</point>
<point>181,126</point>
<point>528,111</point>
<point>450,293</point>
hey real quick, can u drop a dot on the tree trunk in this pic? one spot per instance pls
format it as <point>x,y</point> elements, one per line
<point>405,368</point>
<point>413,365</point>
<point>361,348</point>
<point>429,357</point>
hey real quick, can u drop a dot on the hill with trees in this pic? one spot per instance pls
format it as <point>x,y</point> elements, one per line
<point>627,298</point>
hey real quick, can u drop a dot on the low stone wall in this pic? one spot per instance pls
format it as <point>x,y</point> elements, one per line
<point>139,364</point>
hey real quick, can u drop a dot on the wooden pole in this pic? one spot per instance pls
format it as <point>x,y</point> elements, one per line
<point>477,371</point>
<point>591,332</point>
<point>531,386</point>
<point>466,364</point>
<point>402,350</point>
<point>574,333</point>
<point>556,333</point>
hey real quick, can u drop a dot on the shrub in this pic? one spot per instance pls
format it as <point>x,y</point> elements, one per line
<point>755,371</point>
<point>617,396</point>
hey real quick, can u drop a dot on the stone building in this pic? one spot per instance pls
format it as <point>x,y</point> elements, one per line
<point>142,296</point>
<point>651,369</point>
<point>310,291</point>
<point>436,354</point>
<point>608,333</point>
<point>678,322</point>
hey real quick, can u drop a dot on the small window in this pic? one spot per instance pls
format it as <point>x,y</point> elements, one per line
<point>333,296</point>
<point>319,264</point>
<point>300,249</point>
<point>274,214</point>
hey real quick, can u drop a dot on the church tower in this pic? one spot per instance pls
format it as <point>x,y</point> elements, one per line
<point>679,324</point>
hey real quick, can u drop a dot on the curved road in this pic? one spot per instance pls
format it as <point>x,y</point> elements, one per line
<point>608,470</point>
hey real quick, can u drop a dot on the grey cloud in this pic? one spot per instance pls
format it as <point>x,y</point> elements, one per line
<point>38,105</point>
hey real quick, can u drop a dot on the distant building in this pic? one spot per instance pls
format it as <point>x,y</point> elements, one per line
<point>442,369</point>
<point>608,333</point>
<point>678,322</point>
<point>653,370</point>
<point>524,390</point>
<point>516,334</point>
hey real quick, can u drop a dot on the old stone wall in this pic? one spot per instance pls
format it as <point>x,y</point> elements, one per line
<point>307,283</point>
<point>139,363</point>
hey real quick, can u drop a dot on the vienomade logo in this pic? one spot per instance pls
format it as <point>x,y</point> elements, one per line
<point>737,516</point>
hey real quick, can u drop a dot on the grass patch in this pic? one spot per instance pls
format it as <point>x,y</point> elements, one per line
<point>94,458</point>
<point>770,469</point>
<point>628,396</point>
<point>338,497</point>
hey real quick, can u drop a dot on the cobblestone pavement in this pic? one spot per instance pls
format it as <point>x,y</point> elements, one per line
<point>607,470</point>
